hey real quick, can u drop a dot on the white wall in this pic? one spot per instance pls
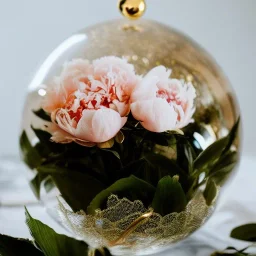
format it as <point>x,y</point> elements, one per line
<point>30,29</point>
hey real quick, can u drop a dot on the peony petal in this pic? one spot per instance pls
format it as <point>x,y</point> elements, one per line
<point>116,71</point>
<point>69,81</point>
<point>186,95</point>
<point>148,87</point>
<point>122,108</point>
<point>161,72</point>
<point>58,135</point>
<point>64,121</point>
<point>99,125</point>
<point>111,63</point>
<point>55,96</point>
<point>73,73</point>
<point>155,115</point>
<point>76,65</point>
<point>84,129</point>
<point>106,124</point>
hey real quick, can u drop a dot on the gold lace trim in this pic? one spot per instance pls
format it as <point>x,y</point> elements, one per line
<point>129,226</point>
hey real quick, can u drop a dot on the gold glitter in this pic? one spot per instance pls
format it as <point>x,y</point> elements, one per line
<point>135,57</point>
<point>190,78</point>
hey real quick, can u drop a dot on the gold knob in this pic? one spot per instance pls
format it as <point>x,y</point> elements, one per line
<point>132,9</point>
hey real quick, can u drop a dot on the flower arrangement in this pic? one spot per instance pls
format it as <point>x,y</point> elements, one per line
<point>90,103</point>
<point>111,132</point>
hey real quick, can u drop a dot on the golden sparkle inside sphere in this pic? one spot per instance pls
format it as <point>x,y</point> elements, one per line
<point>132,9</point>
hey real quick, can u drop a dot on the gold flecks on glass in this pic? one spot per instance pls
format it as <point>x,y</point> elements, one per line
<point>132,9</point>
<point>129,27</point>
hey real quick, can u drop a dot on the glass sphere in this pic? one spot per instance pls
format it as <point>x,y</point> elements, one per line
<point>170,124</point>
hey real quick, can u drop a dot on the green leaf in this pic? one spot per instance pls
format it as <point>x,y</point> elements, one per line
<point>221,175</point>
<point>233,251</point>
<point>210,191</point>
<point>10,246</point>
<point>133,188</point>
<point>169,196</point>
<point>230,254</point>
<point>35,184</point>
<point>78,189</point>
<point>158,166</point>
<point>102,252</point>
<point>231,157</point>
<point>51,169</point>
<point>42,114</point>
<point>232,135</point>
<point>190,154</point>
<point>45,147</point>
<point>163,139</point>
<point>115,153</point>
<point>186,154</point>
<point>153,167</point>
<point>160,162</point>
<point>53,244</point>
<point>49,184</point>
<point>30,155</point>
<point>246,232</point>
<point>211,154</point>
<point>221,170</point>
<point>42,135</point>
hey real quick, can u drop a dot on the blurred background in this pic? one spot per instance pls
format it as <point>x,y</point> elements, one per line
<point>30,30</point>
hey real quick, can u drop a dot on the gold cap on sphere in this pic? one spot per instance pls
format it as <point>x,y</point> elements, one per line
<point>132,9</point>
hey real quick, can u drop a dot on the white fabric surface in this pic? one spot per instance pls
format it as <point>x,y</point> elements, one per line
<point>237,205</point>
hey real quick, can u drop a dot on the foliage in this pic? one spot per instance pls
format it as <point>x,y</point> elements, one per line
<point>143,167</point>
<point>245,233</point>
<point>46,242</point>
<point>49,243</point>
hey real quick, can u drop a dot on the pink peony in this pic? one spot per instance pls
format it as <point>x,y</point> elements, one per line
<point>89,103</point>
<point>163,104</point>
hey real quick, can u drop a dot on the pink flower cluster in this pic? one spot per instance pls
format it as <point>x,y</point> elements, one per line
<point>89,103</point>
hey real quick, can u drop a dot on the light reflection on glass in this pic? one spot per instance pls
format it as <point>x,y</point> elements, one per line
<point>69,43</point>
<point>42,92</point>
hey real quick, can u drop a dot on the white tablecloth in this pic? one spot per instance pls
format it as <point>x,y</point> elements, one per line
<point>237,205</point>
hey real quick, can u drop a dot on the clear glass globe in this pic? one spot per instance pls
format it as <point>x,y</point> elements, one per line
<point>179,174</point>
